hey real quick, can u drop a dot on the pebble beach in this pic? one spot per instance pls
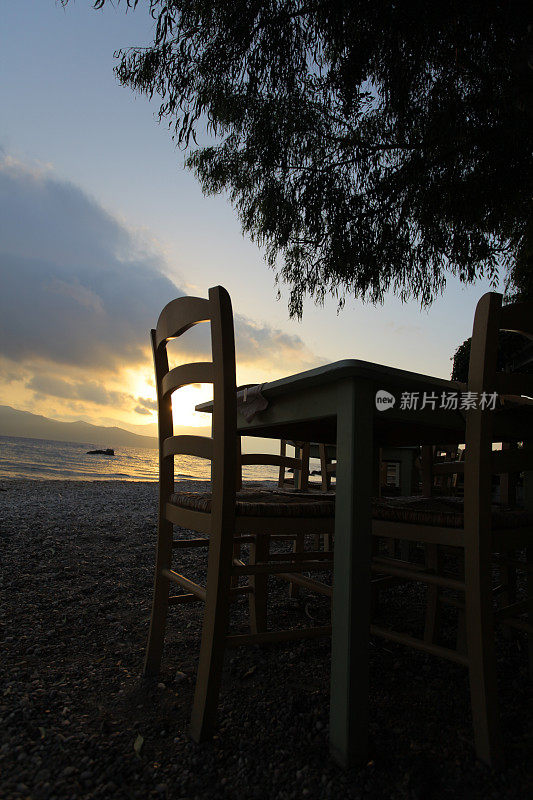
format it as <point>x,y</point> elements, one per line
<point>76,721</point>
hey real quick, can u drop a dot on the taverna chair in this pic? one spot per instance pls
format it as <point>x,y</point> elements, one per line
<point>226,518</point>
<point>482,535</point>
<point>300,477</point>
<point>326,454</point>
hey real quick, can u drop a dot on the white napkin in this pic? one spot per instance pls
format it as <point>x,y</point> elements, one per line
<point>250,401</point>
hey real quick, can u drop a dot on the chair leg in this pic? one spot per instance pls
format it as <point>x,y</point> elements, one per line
<point>214,632</point>
<point>528,503</point>
<point>375,584</point>
<point>461,644</point>
<point>482,661</point>
<point>259,551</point>
<point>236,554</point>
<point>404,548</point>
<point>298,546</point>
<point>529,590</point>
<point>432,597</point>
<point>156,636</point>
<point>508,580</point>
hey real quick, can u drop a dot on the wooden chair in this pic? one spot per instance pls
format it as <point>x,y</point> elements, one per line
<point>444,476</point>
<point>224,516</point>
<point>482,534</point>
<point>299,464</point>
<point>328,465</point>
<point>438,473</point>
<point>300,476</point>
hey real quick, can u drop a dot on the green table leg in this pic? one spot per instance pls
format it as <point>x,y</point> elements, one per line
<point>351,593</point>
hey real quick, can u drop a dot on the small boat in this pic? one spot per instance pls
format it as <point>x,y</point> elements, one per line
<point>108,452</point>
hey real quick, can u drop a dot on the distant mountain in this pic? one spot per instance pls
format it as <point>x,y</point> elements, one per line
<point>34,426</point>
<point>148,429</point>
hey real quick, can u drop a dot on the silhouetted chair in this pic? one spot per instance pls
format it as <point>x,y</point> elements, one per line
<point>300,475</point>
<point>300,479</point>
<point>484,535</point>
<point>226,517</point>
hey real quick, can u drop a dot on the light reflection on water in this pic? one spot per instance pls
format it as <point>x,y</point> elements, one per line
<point>45,459</point>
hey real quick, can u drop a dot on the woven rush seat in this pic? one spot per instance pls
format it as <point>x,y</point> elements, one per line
<point>262,503</point>
<point>444,512</point>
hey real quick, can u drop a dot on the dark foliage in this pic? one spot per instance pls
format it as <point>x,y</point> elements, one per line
<point>509,347</point>
<point>367,146</point>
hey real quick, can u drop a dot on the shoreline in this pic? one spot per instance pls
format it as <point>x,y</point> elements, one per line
<point>127,481</point>
<point>185,484</point>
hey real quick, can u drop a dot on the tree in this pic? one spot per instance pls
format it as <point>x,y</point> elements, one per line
<point>369,146</point>
<point>511,346</point>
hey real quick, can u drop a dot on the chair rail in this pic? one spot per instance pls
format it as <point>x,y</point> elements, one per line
<point>185,374</point>
<point>188,445</point>
<point>179,315</point>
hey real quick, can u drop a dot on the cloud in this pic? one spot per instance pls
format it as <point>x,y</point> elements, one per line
<point>141,410</point>
<point>80,291</point>
<point>89,391</point>
<point>260,343</point>
<point>9,372</point>
<point>147,404</point>
<point>83,296</point>
<point>77,288</point>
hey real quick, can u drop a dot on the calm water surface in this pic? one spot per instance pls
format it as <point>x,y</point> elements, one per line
<point>43,458</point>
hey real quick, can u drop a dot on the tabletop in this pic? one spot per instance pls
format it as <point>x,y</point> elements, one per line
<point>422,413</point>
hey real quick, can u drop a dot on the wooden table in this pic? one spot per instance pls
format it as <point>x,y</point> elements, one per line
<point>336,404</point>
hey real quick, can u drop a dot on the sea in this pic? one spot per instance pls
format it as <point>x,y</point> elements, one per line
<point>44,459</point>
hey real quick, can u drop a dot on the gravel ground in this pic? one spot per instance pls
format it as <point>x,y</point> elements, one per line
<point>76,721</point>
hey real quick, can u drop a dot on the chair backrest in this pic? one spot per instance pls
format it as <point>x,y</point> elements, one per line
<point>490,318</point>
<point>299,464</point>
<point>221,448</point>
<point>483,381</point>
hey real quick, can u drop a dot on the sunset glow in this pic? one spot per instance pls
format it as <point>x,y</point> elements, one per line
<point>93,247</point>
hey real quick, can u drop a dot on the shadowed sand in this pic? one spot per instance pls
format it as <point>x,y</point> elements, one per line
<point>77,566</point>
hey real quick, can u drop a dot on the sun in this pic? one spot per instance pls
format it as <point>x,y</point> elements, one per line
<point>184,400</point>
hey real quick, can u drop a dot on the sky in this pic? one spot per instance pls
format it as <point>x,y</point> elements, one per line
<point>101,226</point>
